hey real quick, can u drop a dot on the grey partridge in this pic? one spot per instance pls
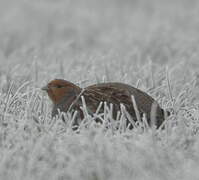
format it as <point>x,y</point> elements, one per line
<point>66,96</point>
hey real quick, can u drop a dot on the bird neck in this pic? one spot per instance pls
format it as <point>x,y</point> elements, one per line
<point>68,98</point>
<point>66,95</point>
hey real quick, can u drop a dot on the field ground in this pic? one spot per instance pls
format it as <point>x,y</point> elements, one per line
<point>150,44</point>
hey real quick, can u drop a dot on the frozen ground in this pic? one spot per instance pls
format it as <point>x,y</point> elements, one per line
<point>150,44</point>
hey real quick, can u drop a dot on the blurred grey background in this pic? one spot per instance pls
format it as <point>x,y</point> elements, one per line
<point>155,27</point>
<point>77,39</point>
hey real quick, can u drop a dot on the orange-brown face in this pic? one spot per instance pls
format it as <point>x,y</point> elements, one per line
<point>57,89</point>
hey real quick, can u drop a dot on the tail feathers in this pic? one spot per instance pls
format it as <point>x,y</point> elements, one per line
<point>166,113</point>
<point>161,118</point>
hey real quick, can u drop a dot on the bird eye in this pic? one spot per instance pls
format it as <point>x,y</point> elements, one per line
<point>59,86</point>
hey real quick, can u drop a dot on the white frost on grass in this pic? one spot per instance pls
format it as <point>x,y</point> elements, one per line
<point>93,41</point>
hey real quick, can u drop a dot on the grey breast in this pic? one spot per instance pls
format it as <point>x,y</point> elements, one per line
<point>65,103</point>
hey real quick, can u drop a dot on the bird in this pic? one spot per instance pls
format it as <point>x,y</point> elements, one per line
<point>66,96</point>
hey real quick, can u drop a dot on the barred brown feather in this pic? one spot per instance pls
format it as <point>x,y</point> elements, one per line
<point>66,97</point>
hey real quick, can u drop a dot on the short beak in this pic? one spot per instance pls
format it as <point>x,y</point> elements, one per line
<point>45,88</point>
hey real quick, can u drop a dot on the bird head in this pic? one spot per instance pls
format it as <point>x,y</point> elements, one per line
<point>58,89</point>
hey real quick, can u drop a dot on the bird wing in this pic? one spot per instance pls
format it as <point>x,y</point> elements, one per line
<point>122,93</point>
<point>112,95</point>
